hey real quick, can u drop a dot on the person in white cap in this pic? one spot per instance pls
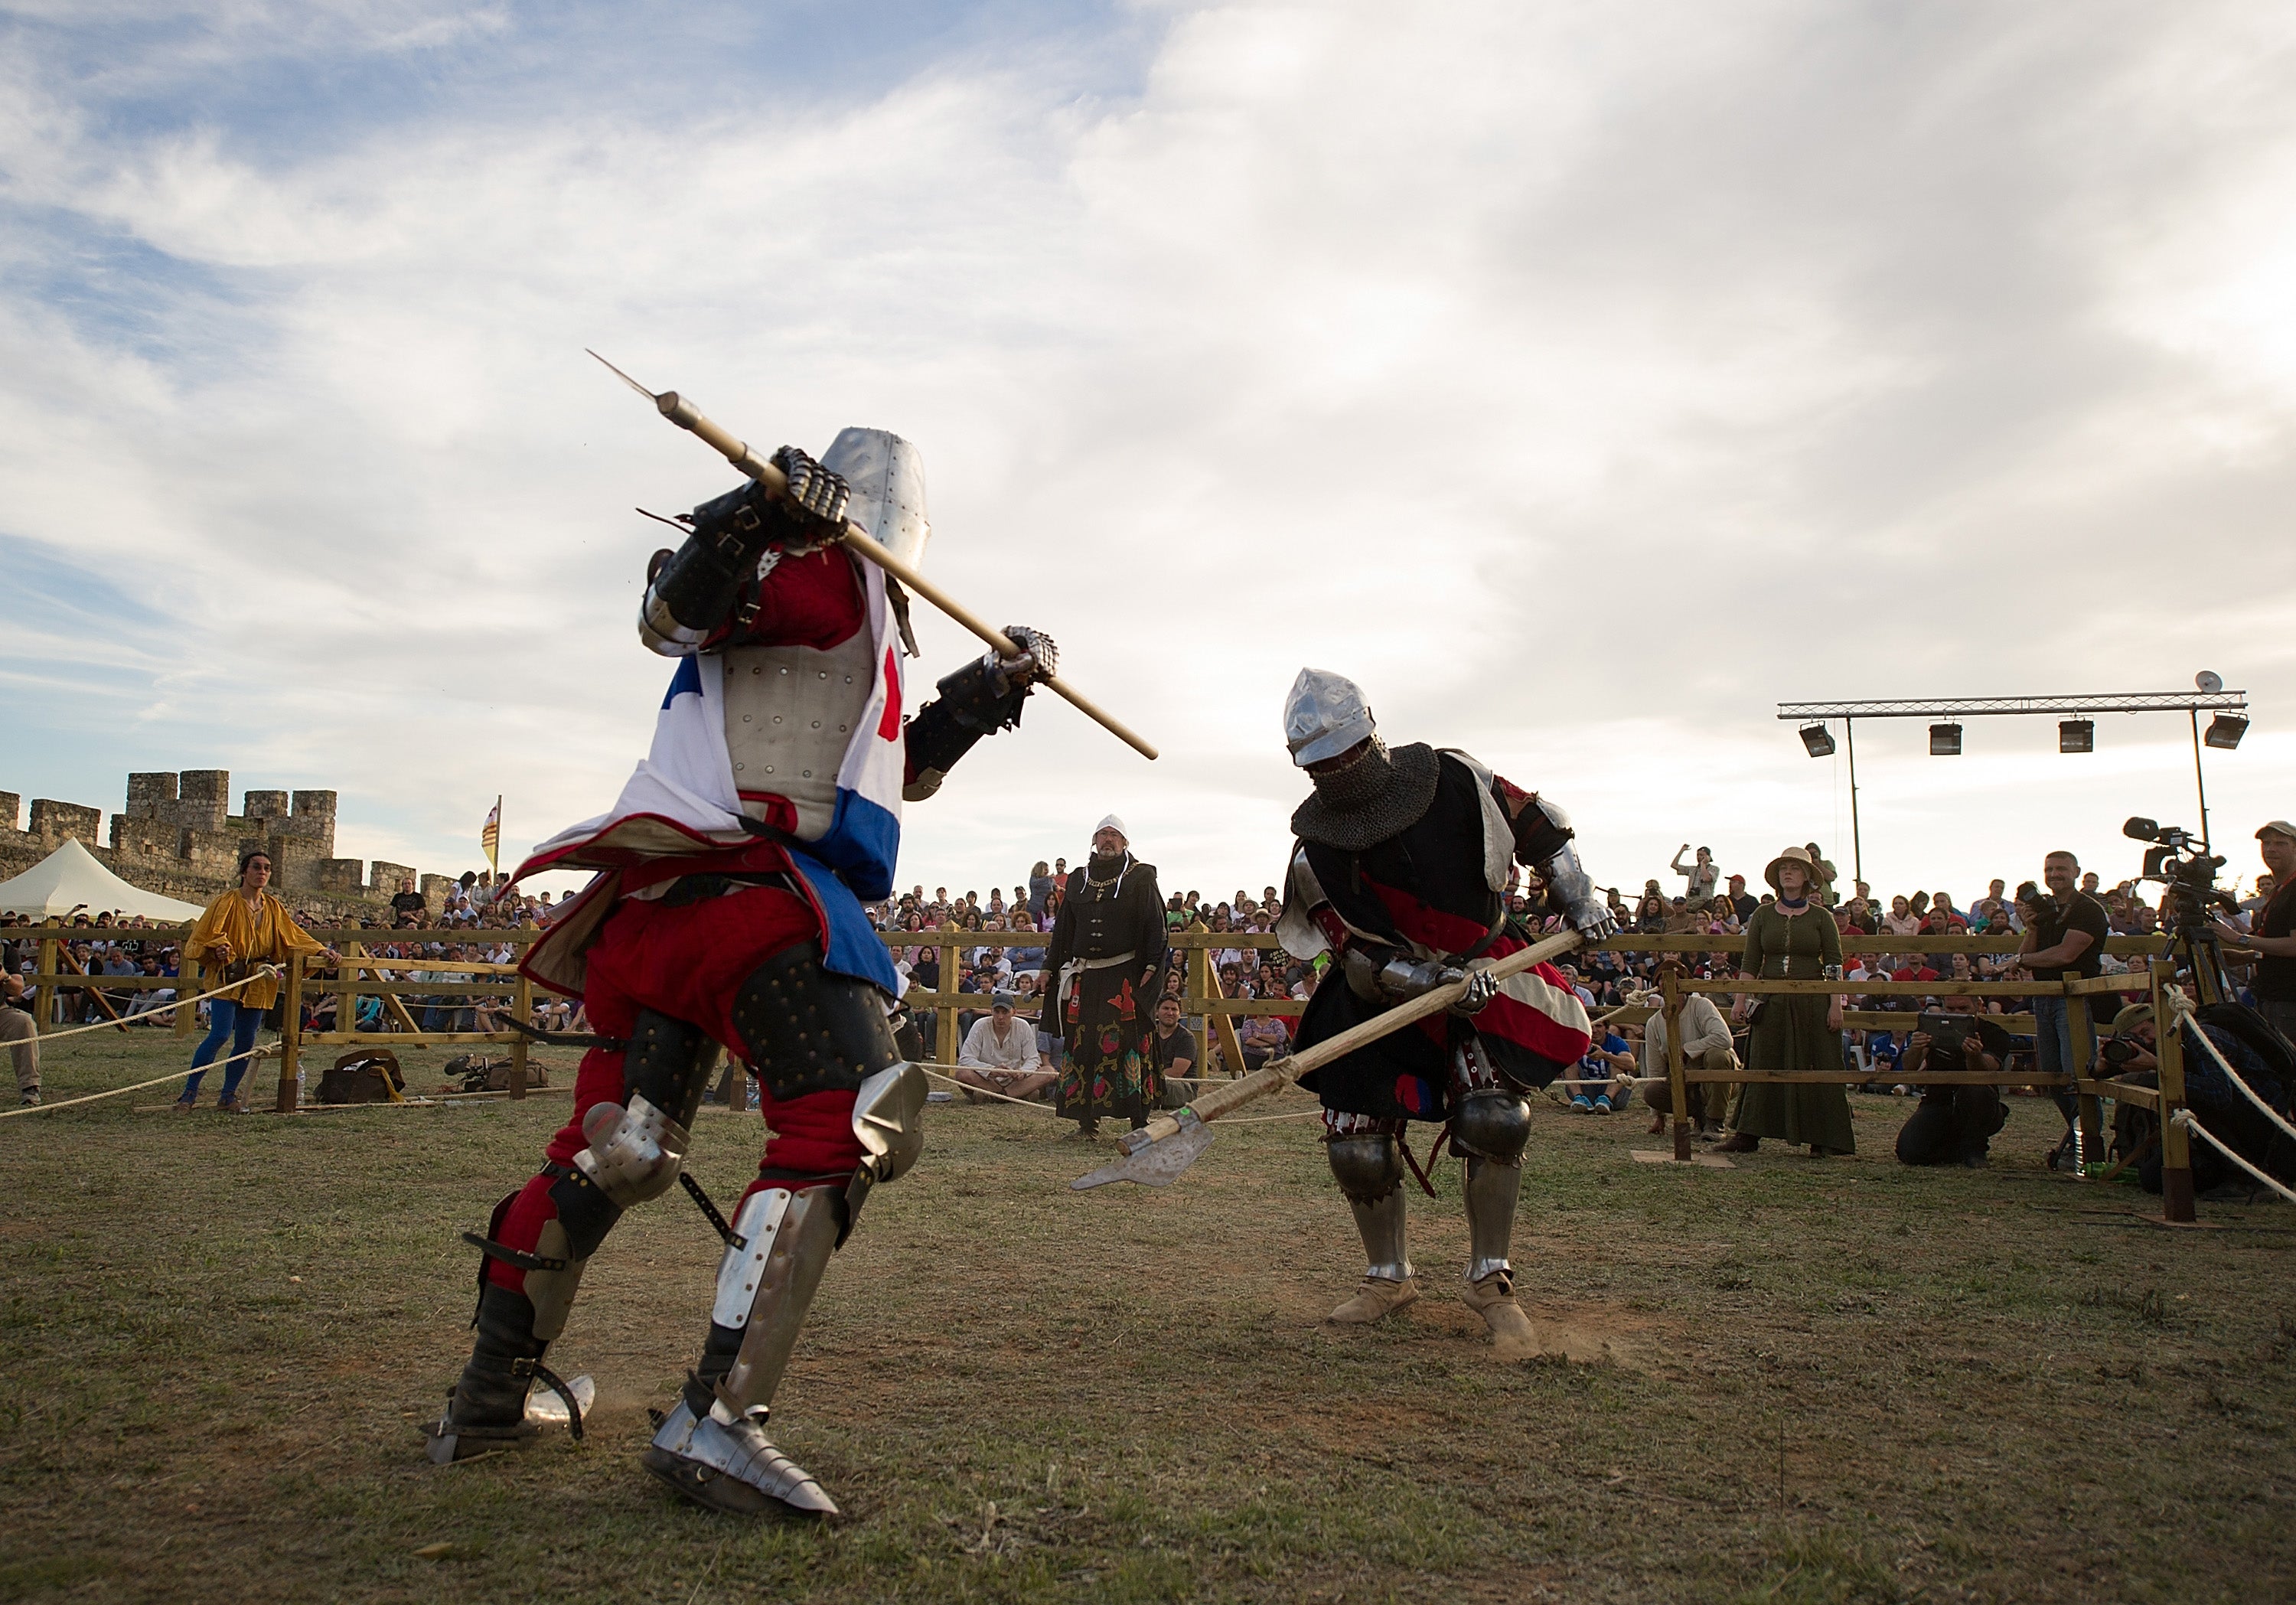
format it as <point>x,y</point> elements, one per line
<point>1106,951</point>
<point>1401,871</point>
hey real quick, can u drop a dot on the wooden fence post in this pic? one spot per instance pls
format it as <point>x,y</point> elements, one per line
<point>523,1001</point>
<point>44,997</point>
<point>290,1033</point>
<point>946,1047</point>
<point>1198,988</point>
<point>1677,1083</point>
<point>2088,1108</point>
<point>2175,1146</point>
<point>187,985</point>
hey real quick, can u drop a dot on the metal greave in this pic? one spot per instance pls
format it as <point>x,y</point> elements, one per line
<point>786,1283</point>
<point>1491,1191</point>
<point>1381,1227</point>
<point>1369,1169</point>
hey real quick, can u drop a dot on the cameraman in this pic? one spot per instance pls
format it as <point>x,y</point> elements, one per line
<point>2274,987</point>
<point>1953,1124</point>
<point>2065,940</point>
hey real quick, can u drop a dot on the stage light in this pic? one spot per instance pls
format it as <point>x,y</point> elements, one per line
<point>2077,735</point>
<point>1944,741</point>
<point>1816,738</point>
<point>2225,730</point>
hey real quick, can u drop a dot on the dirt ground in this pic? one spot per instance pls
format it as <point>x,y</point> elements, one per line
<point>1818,1380</point>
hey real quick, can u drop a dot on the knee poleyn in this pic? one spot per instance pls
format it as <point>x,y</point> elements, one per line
<point>1366,1167</point>
<point>1493,1125</point>
<point>634,1153</point>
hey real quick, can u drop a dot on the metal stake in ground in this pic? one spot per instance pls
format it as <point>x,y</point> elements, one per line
<point>1159,1151</point>
<point>690,418</point>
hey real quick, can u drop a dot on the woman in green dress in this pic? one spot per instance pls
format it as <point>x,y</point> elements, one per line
<point>1792,938</point>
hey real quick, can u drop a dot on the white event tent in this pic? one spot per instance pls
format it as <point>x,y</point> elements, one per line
<point>73,877</point>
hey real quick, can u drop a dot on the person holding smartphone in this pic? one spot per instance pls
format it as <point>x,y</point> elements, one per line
<point>1953,1124</point>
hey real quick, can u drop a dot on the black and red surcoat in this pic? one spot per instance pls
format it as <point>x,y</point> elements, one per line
<point>1429,890</point>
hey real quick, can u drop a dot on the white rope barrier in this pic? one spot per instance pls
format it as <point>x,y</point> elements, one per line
<point>150,1016</point>
<point>42,1109</point>
<point>1029,1104</point>
<point>2182,1007</point>
<point>1033,1107</point>
<point>2184,1118</point>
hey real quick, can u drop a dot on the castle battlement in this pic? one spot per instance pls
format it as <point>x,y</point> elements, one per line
<point>177,836</point>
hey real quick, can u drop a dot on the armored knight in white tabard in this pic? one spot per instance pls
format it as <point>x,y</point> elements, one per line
<point>725,914</point>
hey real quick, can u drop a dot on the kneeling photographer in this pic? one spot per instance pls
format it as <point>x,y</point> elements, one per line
<point>1953,1124</point>
<point>2132,1054</point>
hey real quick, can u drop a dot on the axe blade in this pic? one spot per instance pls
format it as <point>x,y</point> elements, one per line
<point>1157,1164</point>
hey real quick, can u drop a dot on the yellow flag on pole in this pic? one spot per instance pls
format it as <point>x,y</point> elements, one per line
<point>490,838</point>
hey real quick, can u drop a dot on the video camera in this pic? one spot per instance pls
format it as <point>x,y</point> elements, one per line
<point>2181,865</point>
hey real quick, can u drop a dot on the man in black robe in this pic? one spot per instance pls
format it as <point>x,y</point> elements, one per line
<point>1106,952</point>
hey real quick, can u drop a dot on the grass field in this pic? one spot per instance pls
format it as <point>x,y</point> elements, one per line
<point>1827,1379</point>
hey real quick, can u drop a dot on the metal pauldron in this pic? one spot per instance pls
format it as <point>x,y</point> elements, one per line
<point>634,1152</point>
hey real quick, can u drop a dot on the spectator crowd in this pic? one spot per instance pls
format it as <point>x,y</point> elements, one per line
<point>1008,1046</point>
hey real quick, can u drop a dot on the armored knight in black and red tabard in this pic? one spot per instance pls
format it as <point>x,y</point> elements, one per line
<point>1401,873</point>
<point>725,914</point>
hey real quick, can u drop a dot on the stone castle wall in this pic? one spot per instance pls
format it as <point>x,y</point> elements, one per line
<point>178,836</point>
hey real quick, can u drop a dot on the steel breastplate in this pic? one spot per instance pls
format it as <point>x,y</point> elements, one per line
<point>790,714</point>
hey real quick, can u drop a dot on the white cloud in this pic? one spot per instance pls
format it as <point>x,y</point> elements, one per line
<point>1582,380</point>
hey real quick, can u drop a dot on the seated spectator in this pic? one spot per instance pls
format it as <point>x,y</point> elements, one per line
<point>1649,910</point>
<point>1262,1038</point>
<point>1000,1055</point>
<point>1943,919</point>
<point>1914,968</point>
<point>1173,1048</point>
<point>1025,960</point>
<point>155,1000</point>
<point>1955,1123</point>
<point>1607,1071</point>
<point>1706,1045</point>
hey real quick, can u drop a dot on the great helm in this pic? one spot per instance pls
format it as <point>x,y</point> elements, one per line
<point>1324,717</point>
<point>887,476</point>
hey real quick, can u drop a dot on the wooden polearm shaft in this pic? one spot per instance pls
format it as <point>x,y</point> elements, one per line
<point>690,418</point>
<point>1278,1074</point>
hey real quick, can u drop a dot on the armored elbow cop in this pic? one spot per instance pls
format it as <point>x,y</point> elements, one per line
<point>971,702</point>
<point>1541,831</point>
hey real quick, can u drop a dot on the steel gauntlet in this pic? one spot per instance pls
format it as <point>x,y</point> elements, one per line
<point>697,590</point>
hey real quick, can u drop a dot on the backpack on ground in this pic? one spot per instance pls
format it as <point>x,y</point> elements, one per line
<point>362,1076</point>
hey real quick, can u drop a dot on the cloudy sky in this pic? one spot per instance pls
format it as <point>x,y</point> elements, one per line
<point>1582,378</point>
